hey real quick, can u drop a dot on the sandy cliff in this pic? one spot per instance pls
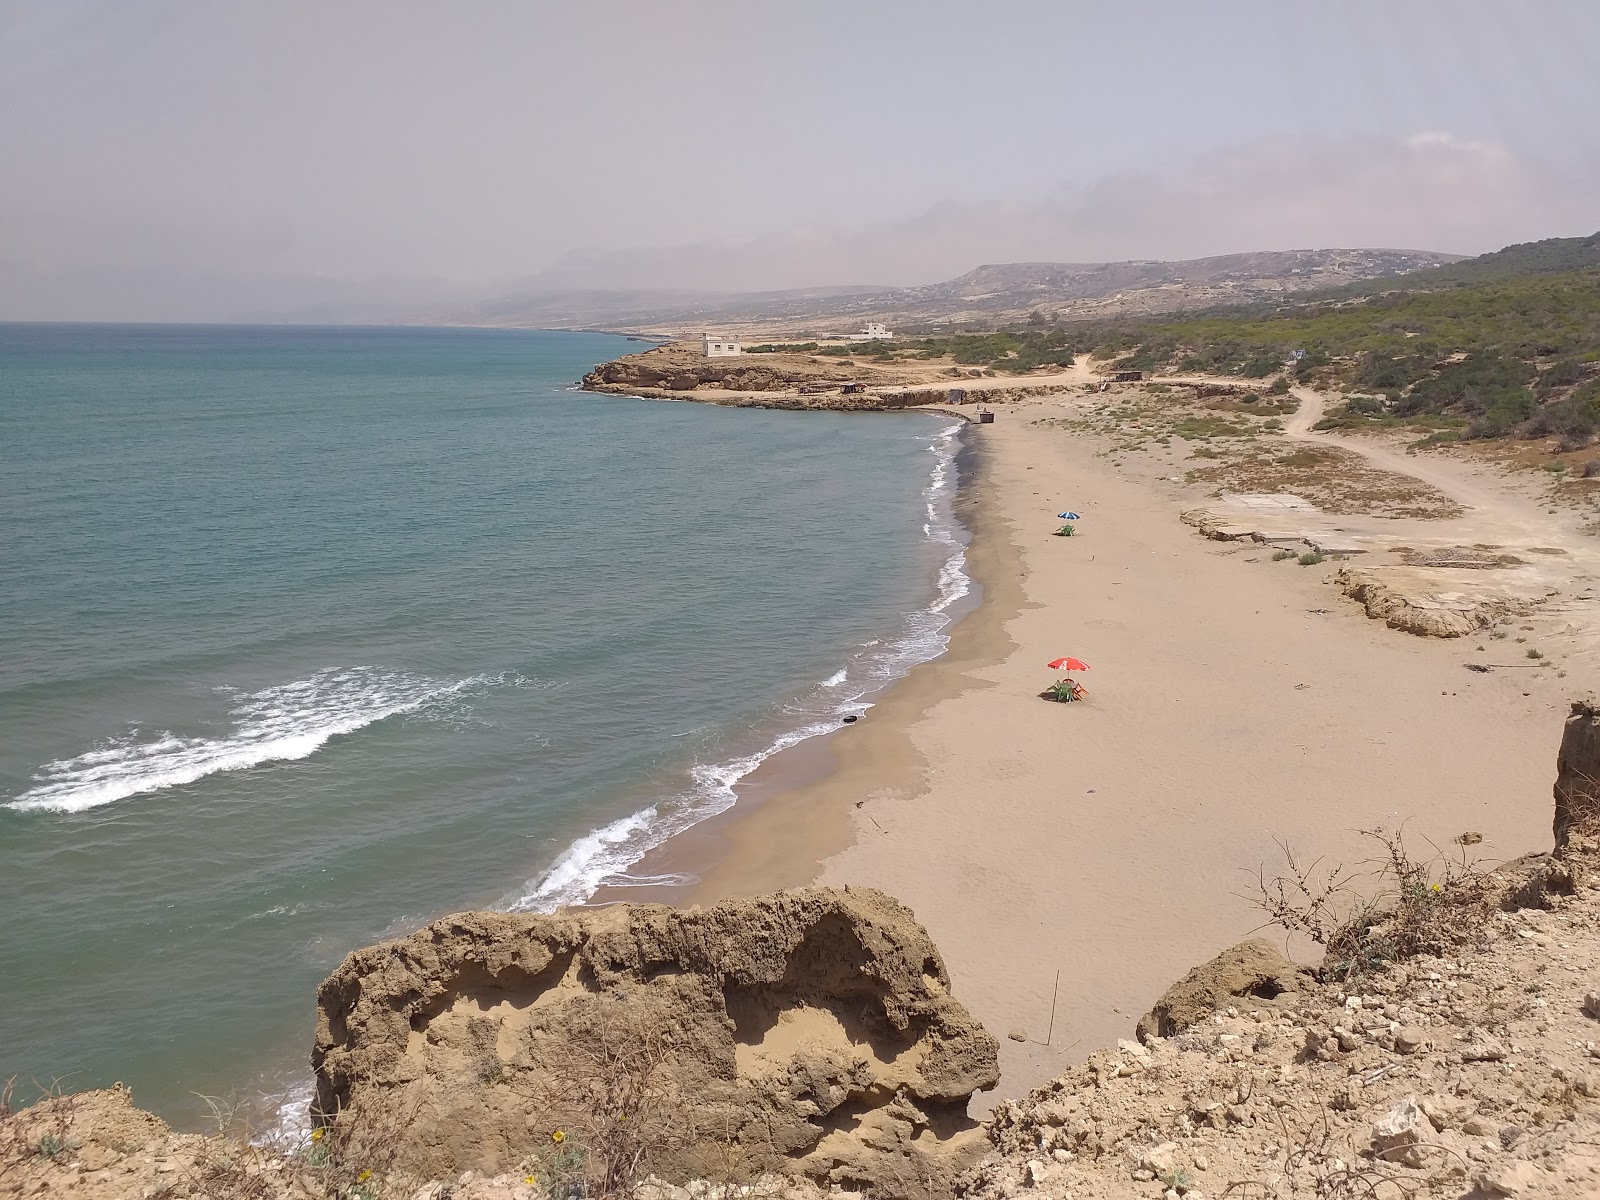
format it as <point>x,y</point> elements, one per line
<point>813,1029</point>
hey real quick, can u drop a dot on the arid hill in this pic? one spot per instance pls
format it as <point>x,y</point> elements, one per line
<point>990,294</point>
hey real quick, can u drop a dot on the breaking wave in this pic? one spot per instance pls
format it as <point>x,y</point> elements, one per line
<point>603,856</point>
<point>278,724</point>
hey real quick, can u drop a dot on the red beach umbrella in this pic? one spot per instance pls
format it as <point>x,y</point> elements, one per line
<point>1068,664</point>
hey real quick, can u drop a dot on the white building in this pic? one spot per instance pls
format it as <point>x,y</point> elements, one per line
<point>721,347</point>
<point>875,331</point>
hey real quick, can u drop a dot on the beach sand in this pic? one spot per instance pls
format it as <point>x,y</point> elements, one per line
<point>1234,701</point>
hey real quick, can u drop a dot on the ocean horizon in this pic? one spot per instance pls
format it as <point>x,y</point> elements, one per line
<point>318,633</point>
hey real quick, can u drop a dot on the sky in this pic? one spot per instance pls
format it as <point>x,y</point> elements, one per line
<point>377,159</point>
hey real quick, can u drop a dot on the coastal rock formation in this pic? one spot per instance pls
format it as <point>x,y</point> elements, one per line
<point>1464,1076</point>
<point>92,1146</point>
<point>792,380</point>
<point>812,1031</point>
<point>1413,604</point>
<point>681,367</point>
<point>1577,789</point>
<point>1253,970</point>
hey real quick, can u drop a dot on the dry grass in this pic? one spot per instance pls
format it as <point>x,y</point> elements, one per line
<point>1315,1166</point>
<point>20,1142</point>
<point>349,1158</point>
<point>615,1108</point>
<point>1335,480</point>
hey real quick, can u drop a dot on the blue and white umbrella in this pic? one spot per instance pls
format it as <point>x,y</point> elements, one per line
<point>1070,516</point>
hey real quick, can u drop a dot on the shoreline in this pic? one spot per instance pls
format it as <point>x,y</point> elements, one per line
<point>677,870</point>
<point>1232,705</point>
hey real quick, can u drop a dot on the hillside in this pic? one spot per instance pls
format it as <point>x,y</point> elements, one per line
<point>1551,256</point>
<point>986,296</point>
<point>1507,344</point>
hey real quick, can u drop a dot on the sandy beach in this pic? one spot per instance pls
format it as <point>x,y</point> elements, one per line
<point>1235,701</point>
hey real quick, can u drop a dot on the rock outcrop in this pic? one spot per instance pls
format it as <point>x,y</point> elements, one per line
<point>681,371</point>
<point>1406,600</point>
<point>812,1031</point>
<point>1469,1076</point>
<point>1252,970</point>
<point>1577,789</point>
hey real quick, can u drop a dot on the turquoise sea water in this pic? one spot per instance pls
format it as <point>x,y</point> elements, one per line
<point>311,635</point>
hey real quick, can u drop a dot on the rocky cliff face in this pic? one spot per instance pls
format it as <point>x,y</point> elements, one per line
<point>812,1029</point>
<point>680,369</point>
<point>1577,787</point>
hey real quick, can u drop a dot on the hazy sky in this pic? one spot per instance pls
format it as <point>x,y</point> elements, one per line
<point>190,159</point>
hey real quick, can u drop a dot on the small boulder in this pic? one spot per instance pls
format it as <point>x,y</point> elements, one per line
<point>1254,968</point>
<point>1483,1047</point>
<point>1409,1039</point>
<point>1398,1134</point>
<point>1511,1179</point>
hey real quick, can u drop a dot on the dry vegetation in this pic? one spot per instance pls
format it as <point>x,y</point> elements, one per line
<point>1335,480</point>
<point>1446,1052</point>
<point>1230,431</point>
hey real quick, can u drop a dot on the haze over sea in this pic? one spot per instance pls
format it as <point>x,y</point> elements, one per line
<point>312,635</point>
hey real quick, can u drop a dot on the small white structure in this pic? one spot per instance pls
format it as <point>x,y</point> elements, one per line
<point>721,347</point>
<point>875,331</point>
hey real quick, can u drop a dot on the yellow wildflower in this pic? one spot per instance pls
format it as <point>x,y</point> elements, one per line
<point>1438,887</point>
<point>558,1137</point>
<point>529,1180</point>
<point>316,1135</point>
<point>364,1176</point>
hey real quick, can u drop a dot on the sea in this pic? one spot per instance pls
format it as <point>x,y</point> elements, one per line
<point>310,635</point>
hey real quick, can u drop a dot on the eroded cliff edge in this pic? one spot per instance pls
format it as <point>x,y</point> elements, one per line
<point>812,1030</point>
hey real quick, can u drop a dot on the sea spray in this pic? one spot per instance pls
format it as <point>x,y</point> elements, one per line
<point>284,723</point>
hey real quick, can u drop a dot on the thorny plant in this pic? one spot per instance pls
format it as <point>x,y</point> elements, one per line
<point>350,1156</point>
<point>1312,1168</point>
<point>21,1137</point>
<point>613,1106</point>
<point>1384,910</point>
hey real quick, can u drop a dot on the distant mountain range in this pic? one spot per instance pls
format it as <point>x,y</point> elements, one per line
<point>990,294</point>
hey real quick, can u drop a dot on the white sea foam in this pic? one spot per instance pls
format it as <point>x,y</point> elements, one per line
<point>278,724</point>
<point>603,856</point>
